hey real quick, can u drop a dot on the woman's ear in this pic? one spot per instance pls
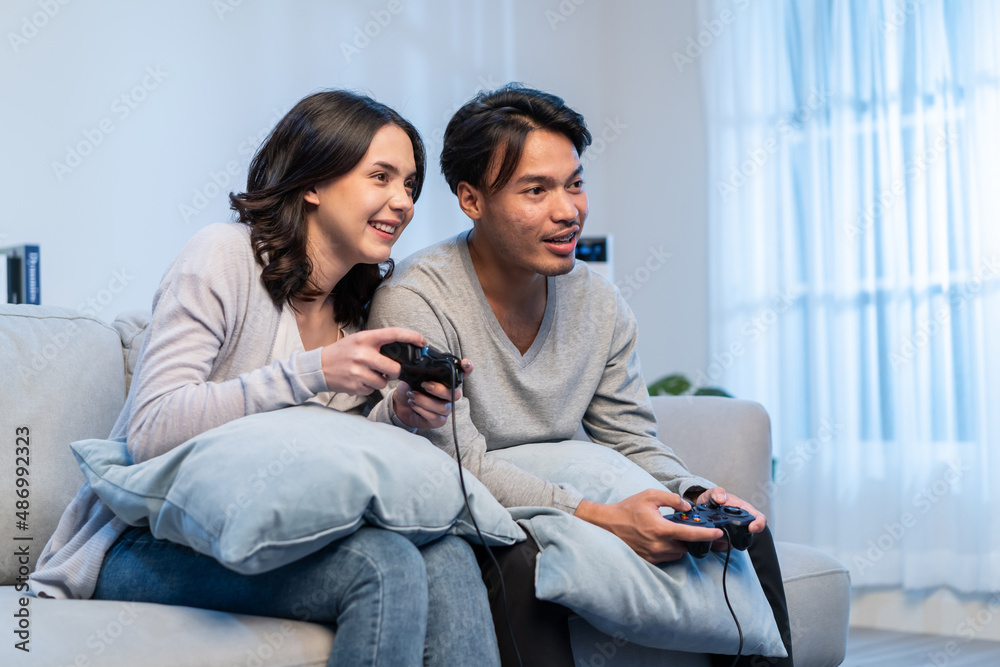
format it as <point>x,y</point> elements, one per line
<point>470,199</point>
<point>310,196</point>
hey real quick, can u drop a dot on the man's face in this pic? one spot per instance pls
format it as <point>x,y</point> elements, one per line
<point>533,223</point>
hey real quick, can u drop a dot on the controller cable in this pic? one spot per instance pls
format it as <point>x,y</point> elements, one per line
<point>482,540</point>
<point>725,568</point>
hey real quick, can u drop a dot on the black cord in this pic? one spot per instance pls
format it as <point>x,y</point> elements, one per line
<point>725,568</point>
<point>482,540</point>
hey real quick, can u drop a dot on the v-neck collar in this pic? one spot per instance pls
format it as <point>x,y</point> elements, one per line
<point>490,317</point>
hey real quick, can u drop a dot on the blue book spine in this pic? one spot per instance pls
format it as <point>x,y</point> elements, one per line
<point>32,285</point>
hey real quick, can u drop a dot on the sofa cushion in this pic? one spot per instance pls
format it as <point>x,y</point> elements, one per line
<point>137,634</point>
<point>600,473</point>
<point>818,593</point>
<point>677,605</point>
<point>63,380</point>
<point>265,490</point>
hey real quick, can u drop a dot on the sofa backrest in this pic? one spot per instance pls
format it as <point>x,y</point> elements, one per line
<point>63,379</point>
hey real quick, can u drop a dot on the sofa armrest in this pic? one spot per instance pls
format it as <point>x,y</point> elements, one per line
<point>725,440</point>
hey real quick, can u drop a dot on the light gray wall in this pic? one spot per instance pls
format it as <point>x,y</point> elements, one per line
<point>162,101</point>
<point>656,174</point>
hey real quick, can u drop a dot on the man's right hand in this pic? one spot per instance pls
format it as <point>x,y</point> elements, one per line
<point>637,522</point>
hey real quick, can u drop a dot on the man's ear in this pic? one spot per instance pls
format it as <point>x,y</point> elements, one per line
<point>470,199</point>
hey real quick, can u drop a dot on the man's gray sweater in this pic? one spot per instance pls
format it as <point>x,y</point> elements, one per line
<point>583,366</point>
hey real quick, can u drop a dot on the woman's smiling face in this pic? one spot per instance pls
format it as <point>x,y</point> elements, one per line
<point>359,215</point>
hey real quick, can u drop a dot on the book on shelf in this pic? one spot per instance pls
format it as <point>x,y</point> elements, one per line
<point>3,278</point>
<point>23,274</point>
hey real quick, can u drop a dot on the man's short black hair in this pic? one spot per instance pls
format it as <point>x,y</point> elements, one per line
<point>493,126</point>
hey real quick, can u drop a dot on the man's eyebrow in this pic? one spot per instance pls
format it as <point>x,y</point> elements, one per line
<point>546,180</point>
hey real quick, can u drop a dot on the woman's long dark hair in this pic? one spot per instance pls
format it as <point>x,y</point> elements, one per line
<point>324,136</point>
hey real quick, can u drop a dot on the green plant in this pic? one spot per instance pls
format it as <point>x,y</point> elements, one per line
<point>679,385</point>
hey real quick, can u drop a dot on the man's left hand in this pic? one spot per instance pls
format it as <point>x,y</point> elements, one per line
<point>719,495</point>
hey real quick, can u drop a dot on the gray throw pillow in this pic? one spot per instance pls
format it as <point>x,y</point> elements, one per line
<point>679,606</point>
<point>265,490</point>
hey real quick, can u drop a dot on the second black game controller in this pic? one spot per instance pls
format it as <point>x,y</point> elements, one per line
<point>424,364</point>
<point>733,520</point>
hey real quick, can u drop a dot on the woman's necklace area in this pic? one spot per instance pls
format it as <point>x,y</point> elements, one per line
<point>298,325</point>
<point>340,334</point>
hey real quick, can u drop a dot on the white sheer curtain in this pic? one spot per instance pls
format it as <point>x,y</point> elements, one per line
<point>855,272</point>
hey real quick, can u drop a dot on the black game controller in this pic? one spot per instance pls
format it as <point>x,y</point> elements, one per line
<point>733,520</point>
<point>424,364</point>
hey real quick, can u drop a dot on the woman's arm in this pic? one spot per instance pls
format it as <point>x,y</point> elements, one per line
<point>205,358</point>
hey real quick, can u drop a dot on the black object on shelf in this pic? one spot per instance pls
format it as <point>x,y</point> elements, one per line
<point>24,283</point>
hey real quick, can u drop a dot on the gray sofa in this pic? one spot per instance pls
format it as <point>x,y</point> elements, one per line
<point>65,377</point>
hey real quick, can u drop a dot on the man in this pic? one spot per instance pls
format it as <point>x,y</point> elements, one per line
<point>555,345</point>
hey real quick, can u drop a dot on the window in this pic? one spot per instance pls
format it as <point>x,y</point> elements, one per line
<point>854,157</point>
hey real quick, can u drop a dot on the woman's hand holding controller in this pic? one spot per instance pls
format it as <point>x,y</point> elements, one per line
<point>417,409</point>
<point>354,365</point>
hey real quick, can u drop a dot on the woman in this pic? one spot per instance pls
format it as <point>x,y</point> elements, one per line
<point>267,313</point>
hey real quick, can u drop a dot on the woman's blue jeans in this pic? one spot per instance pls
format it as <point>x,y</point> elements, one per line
<point>390,602</point>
